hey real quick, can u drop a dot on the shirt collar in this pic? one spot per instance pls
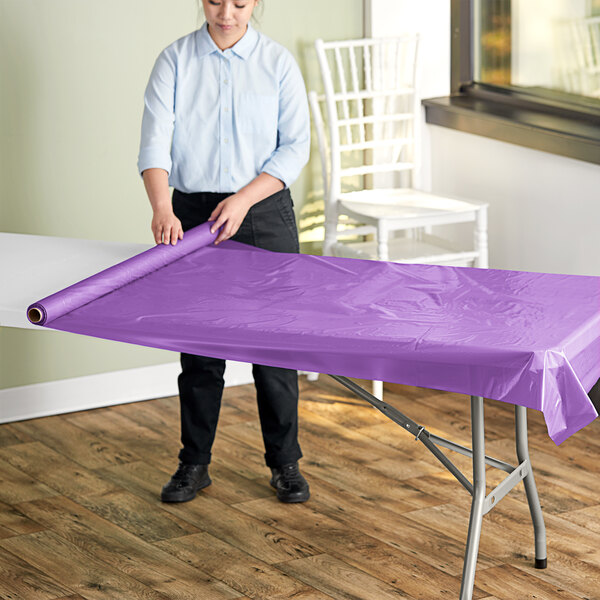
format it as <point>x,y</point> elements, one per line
<point>242,48</point>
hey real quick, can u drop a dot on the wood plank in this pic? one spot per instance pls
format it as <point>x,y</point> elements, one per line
<point>14,522</point>
<point>79,445</point>
<point>586,517</point>
<point>140,478</point>
<point>56,557</point>
<point>147,520</point>
<point>392,435</point>
<point>357,479</point>
<point>21,581</point>
<point>442,486</point>
<point>339,580</point>
<point>565,572</point>
<point>54,470</point>
<point>230,487</point>
<point>10,435</point>
<point>506,581</point>
<point>341,407</point>
<point>17,485</point>
<point>391,562</point>
<point>125,434</point>
<point>507,532</point>
<point>337,502</point>
<point>237,569</point>
<point>567,537</point>
<point>132,556</point>
<point>246,533</point>
<point>496,540</point>
<point>161,418</point>
<point>4,532</point>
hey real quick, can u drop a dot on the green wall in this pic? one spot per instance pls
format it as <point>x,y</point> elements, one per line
<point>72,78</point>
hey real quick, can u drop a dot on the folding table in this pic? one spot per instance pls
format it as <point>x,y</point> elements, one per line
<point>529,339</point>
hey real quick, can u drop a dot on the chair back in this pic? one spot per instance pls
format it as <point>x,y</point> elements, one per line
<point>586,35</point>
<point>372,108</point>
<point>577,50</point>
<point>315,101</point>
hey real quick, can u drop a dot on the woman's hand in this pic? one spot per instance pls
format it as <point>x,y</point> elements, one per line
<point>166,227</point>
<point>230,213</point>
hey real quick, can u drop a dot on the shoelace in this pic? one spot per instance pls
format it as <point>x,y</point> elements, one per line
<point>183,472</point>
<point>291,474</point>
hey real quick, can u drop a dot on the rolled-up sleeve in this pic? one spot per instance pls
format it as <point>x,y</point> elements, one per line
<point>158,119</point>
<point>293,128</point>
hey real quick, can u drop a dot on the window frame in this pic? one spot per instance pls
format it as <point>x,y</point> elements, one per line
<point>540,118</point>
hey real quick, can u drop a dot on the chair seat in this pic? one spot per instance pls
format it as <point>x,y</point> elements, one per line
<point>406,205</point>
<point>427,250</point>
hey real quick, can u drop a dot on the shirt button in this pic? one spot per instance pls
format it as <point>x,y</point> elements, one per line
<point>226,140</point>
<point>226,109</point>
<point>226,81</point>
<point>226,170</point>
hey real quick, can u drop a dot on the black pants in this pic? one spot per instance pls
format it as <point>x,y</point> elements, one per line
<point>271,225</point>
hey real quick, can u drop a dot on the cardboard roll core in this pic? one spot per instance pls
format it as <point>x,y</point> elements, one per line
<point>35,315</point>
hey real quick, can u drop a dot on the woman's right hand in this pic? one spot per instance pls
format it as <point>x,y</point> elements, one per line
<point>166,227</point>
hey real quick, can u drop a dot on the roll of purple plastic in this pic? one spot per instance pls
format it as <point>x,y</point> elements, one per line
<point>531,339</point>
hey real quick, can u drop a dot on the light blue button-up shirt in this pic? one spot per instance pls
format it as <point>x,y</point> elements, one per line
<point>215,119</point>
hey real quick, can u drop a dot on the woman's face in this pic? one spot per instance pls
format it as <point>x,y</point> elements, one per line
<point>227,19</point>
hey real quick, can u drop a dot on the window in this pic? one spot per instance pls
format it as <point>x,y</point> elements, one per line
<point>526,72</point>
<point>552,44</point>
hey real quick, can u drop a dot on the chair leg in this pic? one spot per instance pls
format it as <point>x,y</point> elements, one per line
<point>331,224</point>
<point>481,238</point>
<point>378,389</point>
<point>382,241</point>
<point>476,520</point>
<point>539,527</point>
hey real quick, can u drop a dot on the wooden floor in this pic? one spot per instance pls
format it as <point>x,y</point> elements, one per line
<point>80,515</point>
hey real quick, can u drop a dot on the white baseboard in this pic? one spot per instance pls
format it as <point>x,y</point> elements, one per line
<point>104,389</point>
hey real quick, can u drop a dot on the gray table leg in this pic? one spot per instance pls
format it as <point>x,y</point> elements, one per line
<point>539,528</point>
<point>481,503</point>
<point>478,435</point>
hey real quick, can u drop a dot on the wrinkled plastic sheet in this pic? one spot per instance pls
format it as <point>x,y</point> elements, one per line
<point>530,339</point>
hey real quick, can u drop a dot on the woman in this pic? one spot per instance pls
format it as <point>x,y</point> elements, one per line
<point>226,125</point>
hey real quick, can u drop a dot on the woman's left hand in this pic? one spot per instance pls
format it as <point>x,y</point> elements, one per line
<point>230,213</point>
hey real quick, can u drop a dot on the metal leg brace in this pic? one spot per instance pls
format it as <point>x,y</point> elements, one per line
<point>481,503</point>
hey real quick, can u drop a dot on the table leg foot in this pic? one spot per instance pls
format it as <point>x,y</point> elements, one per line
<point>539,527</point>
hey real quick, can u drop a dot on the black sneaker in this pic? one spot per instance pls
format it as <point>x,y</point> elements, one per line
<point>184,484</point>
<point>289,483</point>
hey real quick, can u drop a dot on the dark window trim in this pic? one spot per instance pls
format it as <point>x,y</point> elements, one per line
<point>539,118</point>
<point>461,44</point>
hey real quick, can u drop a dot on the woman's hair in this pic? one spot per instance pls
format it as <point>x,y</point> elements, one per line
<point>257,12</point>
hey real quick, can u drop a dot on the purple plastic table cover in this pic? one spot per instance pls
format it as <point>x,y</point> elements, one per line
<point>531,339</point>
